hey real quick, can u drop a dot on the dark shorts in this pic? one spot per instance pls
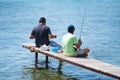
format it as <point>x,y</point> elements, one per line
<point>79,53</point>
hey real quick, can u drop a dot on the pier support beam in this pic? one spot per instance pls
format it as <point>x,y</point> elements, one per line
<point>46,59</point>
<point>46,62</point>
<point>36,58</point>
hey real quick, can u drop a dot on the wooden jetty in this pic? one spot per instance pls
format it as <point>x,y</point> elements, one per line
<point>87,63</point>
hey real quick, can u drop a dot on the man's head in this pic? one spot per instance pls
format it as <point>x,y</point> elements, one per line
<point>42,20</point>
<point>71,29</point>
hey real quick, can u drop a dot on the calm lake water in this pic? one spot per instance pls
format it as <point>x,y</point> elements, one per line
<point>101,33</point>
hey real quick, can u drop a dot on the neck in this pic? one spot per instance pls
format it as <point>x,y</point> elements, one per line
<point>71,32</point>
<point>42,23</point>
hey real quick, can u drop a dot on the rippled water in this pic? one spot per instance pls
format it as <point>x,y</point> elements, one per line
<point>101,33</point>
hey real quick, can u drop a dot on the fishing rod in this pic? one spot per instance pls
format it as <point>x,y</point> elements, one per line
<point>83,20</point>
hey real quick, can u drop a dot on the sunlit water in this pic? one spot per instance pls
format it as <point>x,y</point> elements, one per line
<point>101,33</point>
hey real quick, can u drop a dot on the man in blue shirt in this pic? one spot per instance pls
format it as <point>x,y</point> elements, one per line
<point>41,33</point>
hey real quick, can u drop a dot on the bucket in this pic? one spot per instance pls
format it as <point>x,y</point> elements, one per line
<point>54,49</point>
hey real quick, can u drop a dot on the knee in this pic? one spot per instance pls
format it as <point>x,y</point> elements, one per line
<point>87,50</point>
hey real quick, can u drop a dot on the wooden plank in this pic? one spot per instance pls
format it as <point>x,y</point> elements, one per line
<point>87,63</point>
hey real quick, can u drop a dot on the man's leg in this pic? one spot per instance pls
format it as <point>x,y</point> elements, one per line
<point>82,52</point>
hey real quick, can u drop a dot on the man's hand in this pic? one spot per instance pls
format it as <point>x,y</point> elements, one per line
<point>55,36</point>
<point>79,41</point>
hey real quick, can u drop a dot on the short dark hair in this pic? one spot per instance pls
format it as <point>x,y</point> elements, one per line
<point>71,28</point>
<point>42,20</point>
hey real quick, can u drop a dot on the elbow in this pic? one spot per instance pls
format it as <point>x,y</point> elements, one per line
<point>31,37</point>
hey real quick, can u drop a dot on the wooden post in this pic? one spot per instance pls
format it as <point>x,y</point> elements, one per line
<point>36,58</point>
<point>60,64</point>
<point>60,67</point>
<point>46,62</point>
<point>46,59</point>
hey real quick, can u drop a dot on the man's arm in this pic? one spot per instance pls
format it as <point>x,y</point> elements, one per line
<point>51,36</point>
<point>78,44</point>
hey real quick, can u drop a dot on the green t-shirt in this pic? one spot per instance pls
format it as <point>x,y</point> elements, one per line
<point>68,41</point>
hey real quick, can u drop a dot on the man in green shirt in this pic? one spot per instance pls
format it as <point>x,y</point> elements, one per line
<point>71,45</point>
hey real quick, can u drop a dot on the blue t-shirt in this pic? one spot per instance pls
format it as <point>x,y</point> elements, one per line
<point>40,33</point>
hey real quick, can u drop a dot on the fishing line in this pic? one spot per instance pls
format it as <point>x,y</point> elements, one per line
<point>83,20</point>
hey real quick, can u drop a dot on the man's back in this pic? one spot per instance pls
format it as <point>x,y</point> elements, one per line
<point>40,33</point>
<point>68,41</point>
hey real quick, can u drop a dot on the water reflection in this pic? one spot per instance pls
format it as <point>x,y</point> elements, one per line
<point>44,73</point>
